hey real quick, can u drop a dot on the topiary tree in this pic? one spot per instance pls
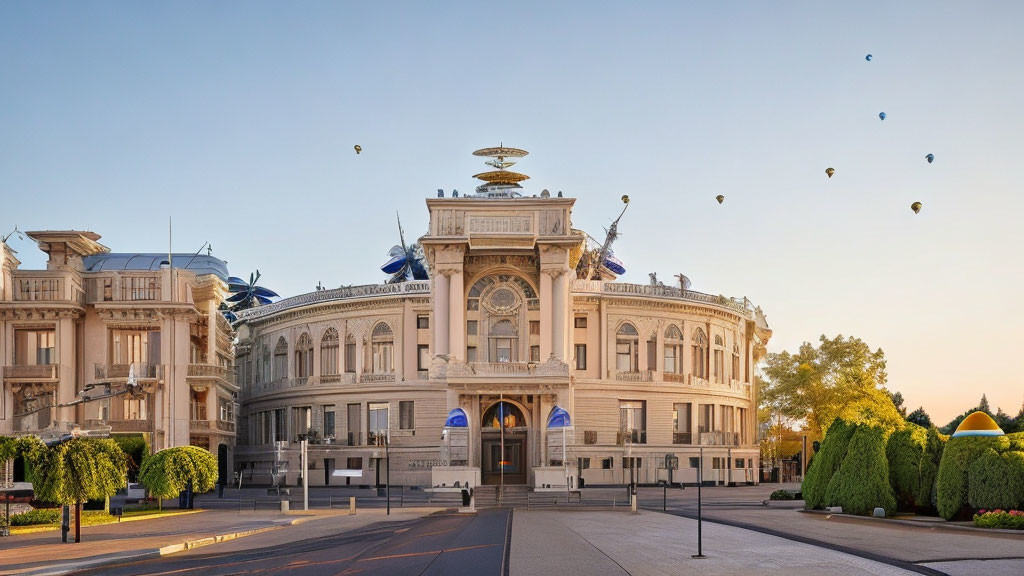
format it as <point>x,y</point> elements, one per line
<point>168,472</point>
<point>996,481</point>
<point>952,484</point>
<point>78,470</point>
<point>862,482</point>
<point>903,452</point>
<point>826,462</point>
<point>928,471</point>
<point>137,449</point>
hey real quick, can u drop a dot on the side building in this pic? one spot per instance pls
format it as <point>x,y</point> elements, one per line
<point>508,327</point>
<point>73,334</point>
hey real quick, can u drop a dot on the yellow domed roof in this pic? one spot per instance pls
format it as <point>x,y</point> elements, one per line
<point>978,424</point>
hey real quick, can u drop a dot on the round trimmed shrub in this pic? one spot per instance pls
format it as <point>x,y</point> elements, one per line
<point>996,481</point>
<point>903,452</point>
<point>169,472</point>
<point>826,462</point>
<point>862,482</point>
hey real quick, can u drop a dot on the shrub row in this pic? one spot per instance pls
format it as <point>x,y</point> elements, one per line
<point>33,517</point>
<point>1012,520</point>
<point>980,472</point>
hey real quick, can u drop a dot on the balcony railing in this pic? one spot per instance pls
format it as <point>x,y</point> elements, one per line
<point>469,369</point>
<point>674,377</point>
<point>225,426</point>
<point>210,371</point>
<point>123,425</point>
<point>670,292</point>
<point>623,437</point>
<point>116,371</point>
<point>719,438</point>
<point>199,425</point>
<point>682,438</point>
<point>39,372</point>
<point>388,377</point>
<point>44,287</point>
<point>634,376</point>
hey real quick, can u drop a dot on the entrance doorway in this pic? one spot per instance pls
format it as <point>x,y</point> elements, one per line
<point>512,462</point>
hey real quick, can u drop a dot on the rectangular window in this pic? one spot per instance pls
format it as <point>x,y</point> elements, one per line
<point>354,425</point>
<point>718,463</point>
<point>422,357</point>
<point>534,327</point>
<point>670,360</point>
<point>406,415</point>
<point>628,462</point>
<point>134,347</point>
<point>606,463</point>
<point>632,421</point>
<point>590,436</point>
<point>580,322</point>
<point>534,353</point>
<point>328,421</point>
<point>739,464</point>
<point>471,327</point>
<point>350,357</point>
<point>581,356</point>
<point>354,463</point>
<point>280,431</point>
<point>422,322</point>
<point>719,366</point>
<point>302,420</point>
<point>135,409</point>
<point>376,420</point>
<point>735,367</point>
<point>33,347</point>
<point>652,354</point>
<point>623,357</point>
<point>705,418</point>
<point>742,428</point>
<point>583,463</point>
<point>694,462</point>
<point>681,424</point>
<point>727,423</point>
<point>471,354</point>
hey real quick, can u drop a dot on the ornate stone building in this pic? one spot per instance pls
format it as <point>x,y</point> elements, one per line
<point>507,328</point>
<point>72,336</point>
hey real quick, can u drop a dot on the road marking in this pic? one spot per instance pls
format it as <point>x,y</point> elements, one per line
<point>411,554</point>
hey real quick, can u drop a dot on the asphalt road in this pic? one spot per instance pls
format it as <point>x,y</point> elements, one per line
<point>443,544</point>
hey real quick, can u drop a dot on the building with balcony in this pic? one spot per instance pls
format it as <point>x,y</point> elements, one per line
<point>510,324</point>
<point>76,332</point>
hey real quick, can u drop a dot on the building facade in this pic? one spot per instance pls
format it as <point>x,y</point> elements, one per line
<point>509,325</point>
<point>72,336</point>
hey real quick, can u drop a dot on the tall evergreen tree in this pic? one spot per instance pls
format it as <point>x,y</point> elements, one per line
<point>920,417</point>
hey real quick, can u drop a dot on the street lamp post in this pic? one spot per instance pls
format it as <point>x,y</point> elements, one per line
<point>700,517</point>
<point>387,478</point>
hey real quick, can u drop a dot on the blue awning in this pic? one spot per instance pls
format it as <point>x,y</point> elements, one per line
<point>559,418</point>
<point>457,419</point>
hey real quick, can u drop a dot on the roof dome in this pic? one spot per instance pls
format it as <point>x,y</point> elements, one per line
<point>978,424</point>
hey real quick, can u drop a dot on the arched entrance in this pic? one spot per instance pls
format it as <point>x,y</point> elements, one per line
<point>503,425</point>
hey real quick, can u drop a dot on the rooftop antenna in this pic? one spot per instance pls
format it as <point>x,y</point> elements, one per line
<point>612,233</point>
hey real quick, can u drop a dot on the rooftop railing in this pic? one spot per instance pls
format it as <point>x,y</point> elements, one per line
<point>46,286</point>
<point>38,372</point>
<point>345,293</point>
<point>659,291</point>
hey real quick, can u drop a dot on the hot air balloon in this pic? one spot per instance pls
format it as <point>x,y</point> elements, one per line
<point>930,158</point>
<point>358,148</point>
<point>916,207</point>
<point>247,294</point>
<point>720,198</point>
<point>881,115</point>
<point>830,171</point>
<point>868,57</point>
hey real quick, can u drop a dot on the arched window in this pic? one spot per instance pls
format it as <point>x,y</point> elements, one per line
<point>735,361</point>
<point>329,353</point>
<point>304,356</point>
<point>503,342</point>
<point>673,350</point>
<point>627,341</point>
<point>281,359</point>
<point>504,413</point>
<point>382,348</point>
<point>700,354</point>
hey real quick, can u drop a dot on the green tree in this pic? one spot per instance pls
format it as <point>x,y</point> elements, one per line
<point>996,481</point>
<point>862,482</point>
<point>897,401</point>
<point>78,470</point>
<point>925,500</point>
<point>1003,420</point>
<point>903,452</point>
<point>826,462</point>
<point>137,449</point>
<point>841,378</point>
<point>920,417</point>
<point>168,472</point>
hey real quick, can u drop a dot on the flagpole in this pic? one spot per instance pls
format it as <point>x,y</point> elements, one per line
<point>501,459</point>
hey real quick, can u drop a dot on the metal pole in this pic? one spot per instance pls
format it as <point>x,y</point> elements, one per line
<point>700,517</point>
<point>387,479</point>
<point>565,466</point>
<point>501,458</point>
<point>305,474</point>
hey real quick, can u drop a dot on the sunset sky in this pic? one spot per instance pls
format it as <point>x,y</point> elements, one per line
<point>239,119</point>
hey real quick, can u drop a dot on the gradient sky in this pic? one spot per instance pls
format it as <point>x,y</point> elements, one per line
<point>238,119</point>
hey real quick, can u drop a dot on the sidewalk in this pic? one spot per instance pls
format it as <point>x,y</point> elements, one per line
<point>43,553</point>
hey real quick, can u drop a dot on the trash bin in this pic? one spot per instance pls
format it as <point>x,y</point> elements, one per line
<point>465,497</point>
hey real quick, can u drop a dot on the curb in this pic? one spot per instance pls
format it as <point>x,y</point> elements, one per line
<point>56,528</point>
<point>147,554</point>
<point>929,525</point>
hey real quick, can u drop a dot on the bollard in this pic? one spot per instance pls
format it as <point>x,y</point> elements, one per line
<point>352,506</point>
<point>284,506</point>
<point>632,502</point>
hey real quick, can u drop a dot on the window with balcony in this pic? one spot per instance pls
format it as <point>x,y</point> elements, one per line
<point>304,356</point>
<point>329,353</point>
<point>197,404</point>
<point>627,341</point>
<point>34,347</point>
<point>633,421</point>
<point>700,354</point>
<point>302,421</point>
<point>728,419</point>
<point>581,356</point>
<point>504,342</point>
<point>382,347</point>
<point>135,408</point>
<point>281,359</point>
<point>354,424</point>
<point>329,429</point>
<point>705,418</point>
<point>376,420</point>
<point>673,350</point>
<point>681,417</point>
<point>406,415</point>
<point>134,347</point>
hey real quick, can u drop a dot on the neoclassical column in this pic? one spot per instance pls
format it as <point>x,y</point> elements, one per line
<point>545,315</point>
<point>442,293</point>
<point>457,317</point>
<point>558,317</point>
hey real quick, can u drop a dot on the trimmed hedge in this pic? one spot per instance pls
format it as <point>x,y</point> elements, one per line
<point>996,481</point>
<point>826,463</point>
<point>953,481</point>
<point>928,471</point>
<point>33,517</point>
<point>1012,520</point>
<point>862,481</point>
<point>903,452</point>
